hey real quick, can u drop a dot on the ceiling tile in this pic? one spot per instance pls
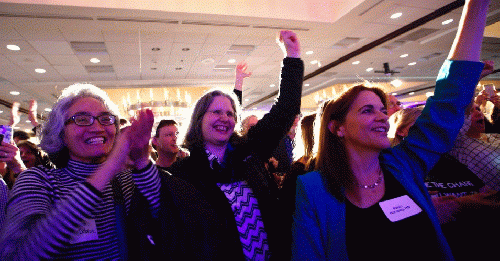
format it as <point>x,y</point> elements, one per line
<point>52,47</point>
<point>63,60</point>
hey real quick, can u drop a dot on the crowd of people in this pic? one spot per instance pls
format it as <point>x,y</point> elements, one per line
<point>100,187</point>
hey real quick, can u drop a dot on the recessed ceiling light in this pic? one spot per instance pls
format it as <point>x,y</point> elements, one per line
<point>356,62</point>
<point>16,128</point>
<point>369,69</point>
<point>314,62</point>
<point>394,93</point>
<point>15,93</point>
<point>247,99</point>
<point>231,60</point>
<point>396,83</point>
<point>404,55</point>
<point>447,22</point>
<point>13,47</point>
<point>1,111</point>
<point>48,109</point>
<point>309,52</point>
<point>28,121</point>
<point>429,94</point>
<point>40,70</point>
<point>307,84</point>
<point>396,15</point>
<point>411,64</point>
<point>411,93</point>
<point>208,61</point>
<point>95,60</point>
<point>254,108</point>
<point>272,85</point>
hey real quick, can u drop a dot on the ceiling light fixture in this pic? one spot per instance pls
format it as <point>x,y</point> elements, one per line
<point>272,85</point>
<point>356,62</point>
<point>309,52</point>
<point>369,69</point>
<point>48,109</point>
<point>447,22</point>
<point>396,83</point>
<point>1,111</point>
<point>231,61</point>
<point>404,55</point>
<point>411,64</point>
<point>307,84</point>
<point>396,15</point>
<point>95,60</point>
<point>429,94</point>
<point>13,47</point>
<point>208,61</point>
<point>394,93</point>
<point>40,70</point>
<point>314,62</point>
<point>247,99</point>
<point>15,93</point>
<point>411,93</point>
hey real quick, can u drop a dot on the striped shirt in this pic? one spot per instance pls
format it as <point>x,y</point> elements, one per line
<point>55,214</point>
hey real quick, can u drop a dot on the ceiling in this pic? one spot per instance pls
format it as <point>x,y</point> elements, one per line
<point>150,49</point>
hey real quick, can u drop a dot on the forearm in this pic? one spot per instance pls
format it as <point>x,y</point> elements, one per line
<point>467,44</point>
<point>147,182</point>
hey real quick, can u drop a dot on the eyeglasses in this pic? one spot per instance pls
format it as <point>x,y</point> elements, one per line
<point>219,113</point>
<point>87,120</point>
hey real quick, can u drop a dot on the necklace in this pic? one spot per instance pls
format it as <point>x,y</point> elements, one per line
<point>377,182</point>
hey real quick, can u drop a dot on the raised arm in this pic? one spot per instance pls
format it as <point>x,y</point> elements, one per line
<point>457,79</point>
<point>241,73</point>
<point>467,43</point>
<point>267,133</point>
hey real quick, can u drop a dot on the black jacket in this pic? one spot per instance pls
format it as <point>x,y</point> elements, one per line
<point>245,161</point>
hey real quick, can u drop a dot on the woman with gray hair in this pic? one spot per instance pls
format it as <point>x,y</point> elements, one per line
<point>76,211</point>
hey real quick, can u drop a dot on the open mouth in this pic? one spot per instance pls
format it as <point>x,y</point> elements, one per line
<point>95,141</point>
<point>221,128</point>
<point>380,129</point>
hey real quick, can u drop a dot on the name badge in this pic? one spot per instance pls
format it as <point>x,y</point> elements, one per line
<point>85,233</point>
<point>399,208</point>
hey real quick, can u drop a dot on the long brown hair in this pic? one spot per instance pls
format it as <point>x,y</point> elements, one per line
<point>332,160</point>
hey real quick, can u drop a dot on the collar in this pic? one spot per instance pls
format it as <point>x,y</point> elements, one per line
<point>81,170</point>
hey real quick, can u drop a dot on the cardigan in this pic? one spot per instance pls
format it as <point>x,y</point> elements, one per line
<point>319,218</point>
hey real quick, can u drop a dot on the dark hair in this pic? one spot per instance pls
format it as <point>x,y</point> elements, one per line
<point>194,136</point>
<point>41,157</point>
<point>164,123</point>
<point>332,160</point>
<point>21,135</point>
<point>307,130</point>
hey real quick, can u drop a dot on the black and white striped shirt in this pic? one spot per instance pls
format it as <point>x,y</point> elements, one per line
<point>55,214</point>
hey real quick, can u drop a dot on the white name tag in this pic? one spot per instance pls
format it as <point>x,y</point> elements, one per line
<point>85,233</point>
<point>399,208</point>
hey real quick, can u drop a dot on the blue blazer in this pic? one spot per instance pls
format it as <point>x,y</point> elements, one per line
<point>319,218</point>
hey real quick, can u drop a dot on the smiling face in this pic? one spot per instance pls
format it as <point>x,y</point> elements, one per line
<point>89,144</point>
<point>216,126</point>
<point>365,126</point>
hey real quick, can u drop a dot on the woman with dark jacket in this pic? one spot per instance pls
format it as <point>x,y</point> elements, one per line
<point>237,199</point>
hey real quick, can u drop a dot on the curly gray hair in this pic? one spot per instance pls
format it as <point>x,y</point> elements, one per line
<point>51,137</point>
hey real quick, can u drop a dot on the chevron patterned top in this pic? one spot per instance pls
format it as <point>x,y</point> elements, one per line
<point>248,218</point>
